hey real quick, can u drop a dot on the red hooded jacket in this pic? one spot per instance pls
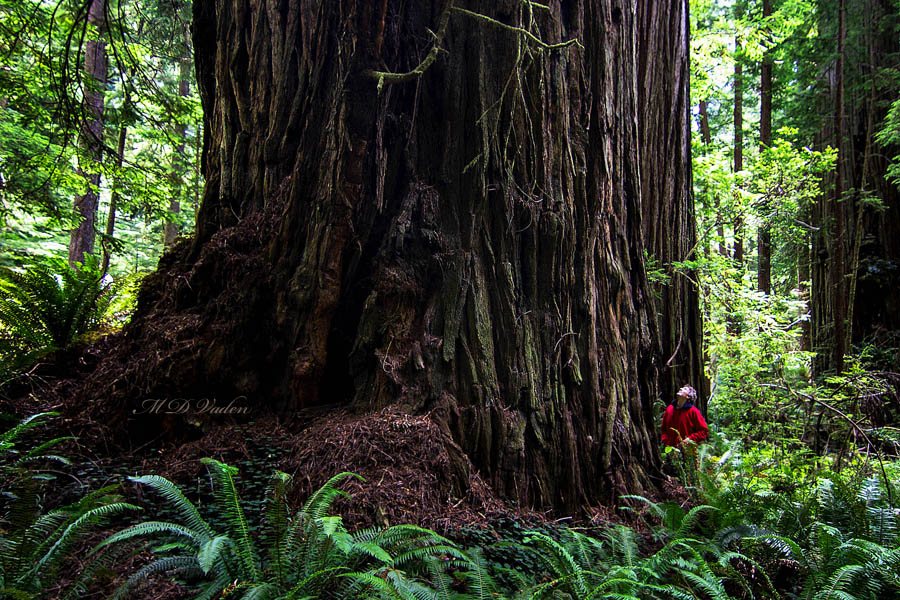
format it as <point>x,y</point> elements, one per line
<point>684,423</point>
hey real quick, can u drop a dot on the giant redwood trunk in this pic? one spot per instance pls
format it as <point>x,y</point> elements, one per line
<point>875,259</point>
<point>669,224</point>
<point>456,231</point>
<point>855,266</point>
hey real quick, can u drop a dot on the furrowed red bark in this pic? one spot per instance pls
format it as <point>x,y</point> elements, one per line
<point>467,243</point>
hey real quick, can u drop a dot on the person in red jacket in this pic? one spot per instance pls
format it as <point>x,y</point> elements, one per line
<point>682,420</point>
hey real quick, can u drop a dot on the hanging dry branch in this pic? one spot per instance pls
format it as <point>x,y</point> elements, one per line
<point>390,77</point>
<point>533,38</point>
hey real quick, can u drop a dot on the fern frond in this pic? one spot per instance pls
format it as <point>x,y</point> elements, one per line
<point>623,544</point>
<point>364,581</point>
<point>262,591</point>
<point>277,522</point>
<point>229,502</point>
<point>77,529</point>
<point>404,586</point>
<point>152,528</point>
<point>8,438</point>
<point>687,522</point>
<point>319,503</point>
<point>178,502</point>
<point>656,509</point>
<point>839,582</point>
<point>560,561</point>
<point>707,583</point>
<point>311,582</point>
<point>47,307</point>
<point>212,551</point>
<point>480,585</point>
<point>420,554</point>
<point>183,565</point>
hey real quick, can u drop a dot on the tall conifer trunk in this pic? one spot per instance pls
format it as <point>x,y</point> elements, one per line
<point>738,163</point>
<point>179,167</point>
<point>81,239</point>
<point>764,243</point>
<point>856,250</point>
<point>838,270</point>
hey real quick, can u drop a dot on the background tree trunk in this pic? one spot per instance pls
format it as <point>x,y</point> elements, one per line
<point>180,166</point>
<point>856,252</point>
<point>669,225</point>
<point>114,197</point>
<point>838,271</point>
<point>81,240</point>
<point>733,321</point>
<point>738,84</point>
<point>764,243</point>
<point>875,262</point>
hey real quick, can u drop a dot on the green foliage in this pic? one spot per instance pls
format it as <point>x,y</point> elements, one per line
<point>889,136</point>
<point>35,544</point>
<point>820,535</point>
<point>301,554</point>
<point>35,153</point>
<point>582,567</point>
<point>150,95</point>
<point>48,307</point>
<point>831,538</point>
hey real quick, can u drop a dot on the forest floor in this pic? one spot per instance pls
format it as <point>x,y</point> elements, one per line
<point>409,475</point>
<point>405,460</point>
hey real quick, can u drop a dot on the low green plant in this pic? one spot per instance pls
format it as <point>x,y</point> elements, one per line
<point>298,554</point>
<point>828,535</point>
<point>833,566</point>
<point>582,567</point>
<point>48,307</point>
<point>35,543</point>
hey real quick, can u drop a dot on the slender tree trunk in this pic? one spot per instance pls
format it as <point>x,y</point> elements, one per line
<point>705,130</point>
<point>706,134</point>
<point>738,165</point>
<point>115,195</point>
<point>81,240</point>
<point>197,175</point>
<point>733,325</point>
<point>179,166</point>
<point>669,225</point>
<point>764,248</point>
<point>461,235</point>
<point>839,284</point>
<point>803,284</point>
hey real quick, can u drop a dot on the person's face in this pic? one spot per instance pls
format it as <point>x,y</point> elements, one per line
<point>682,397</point>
